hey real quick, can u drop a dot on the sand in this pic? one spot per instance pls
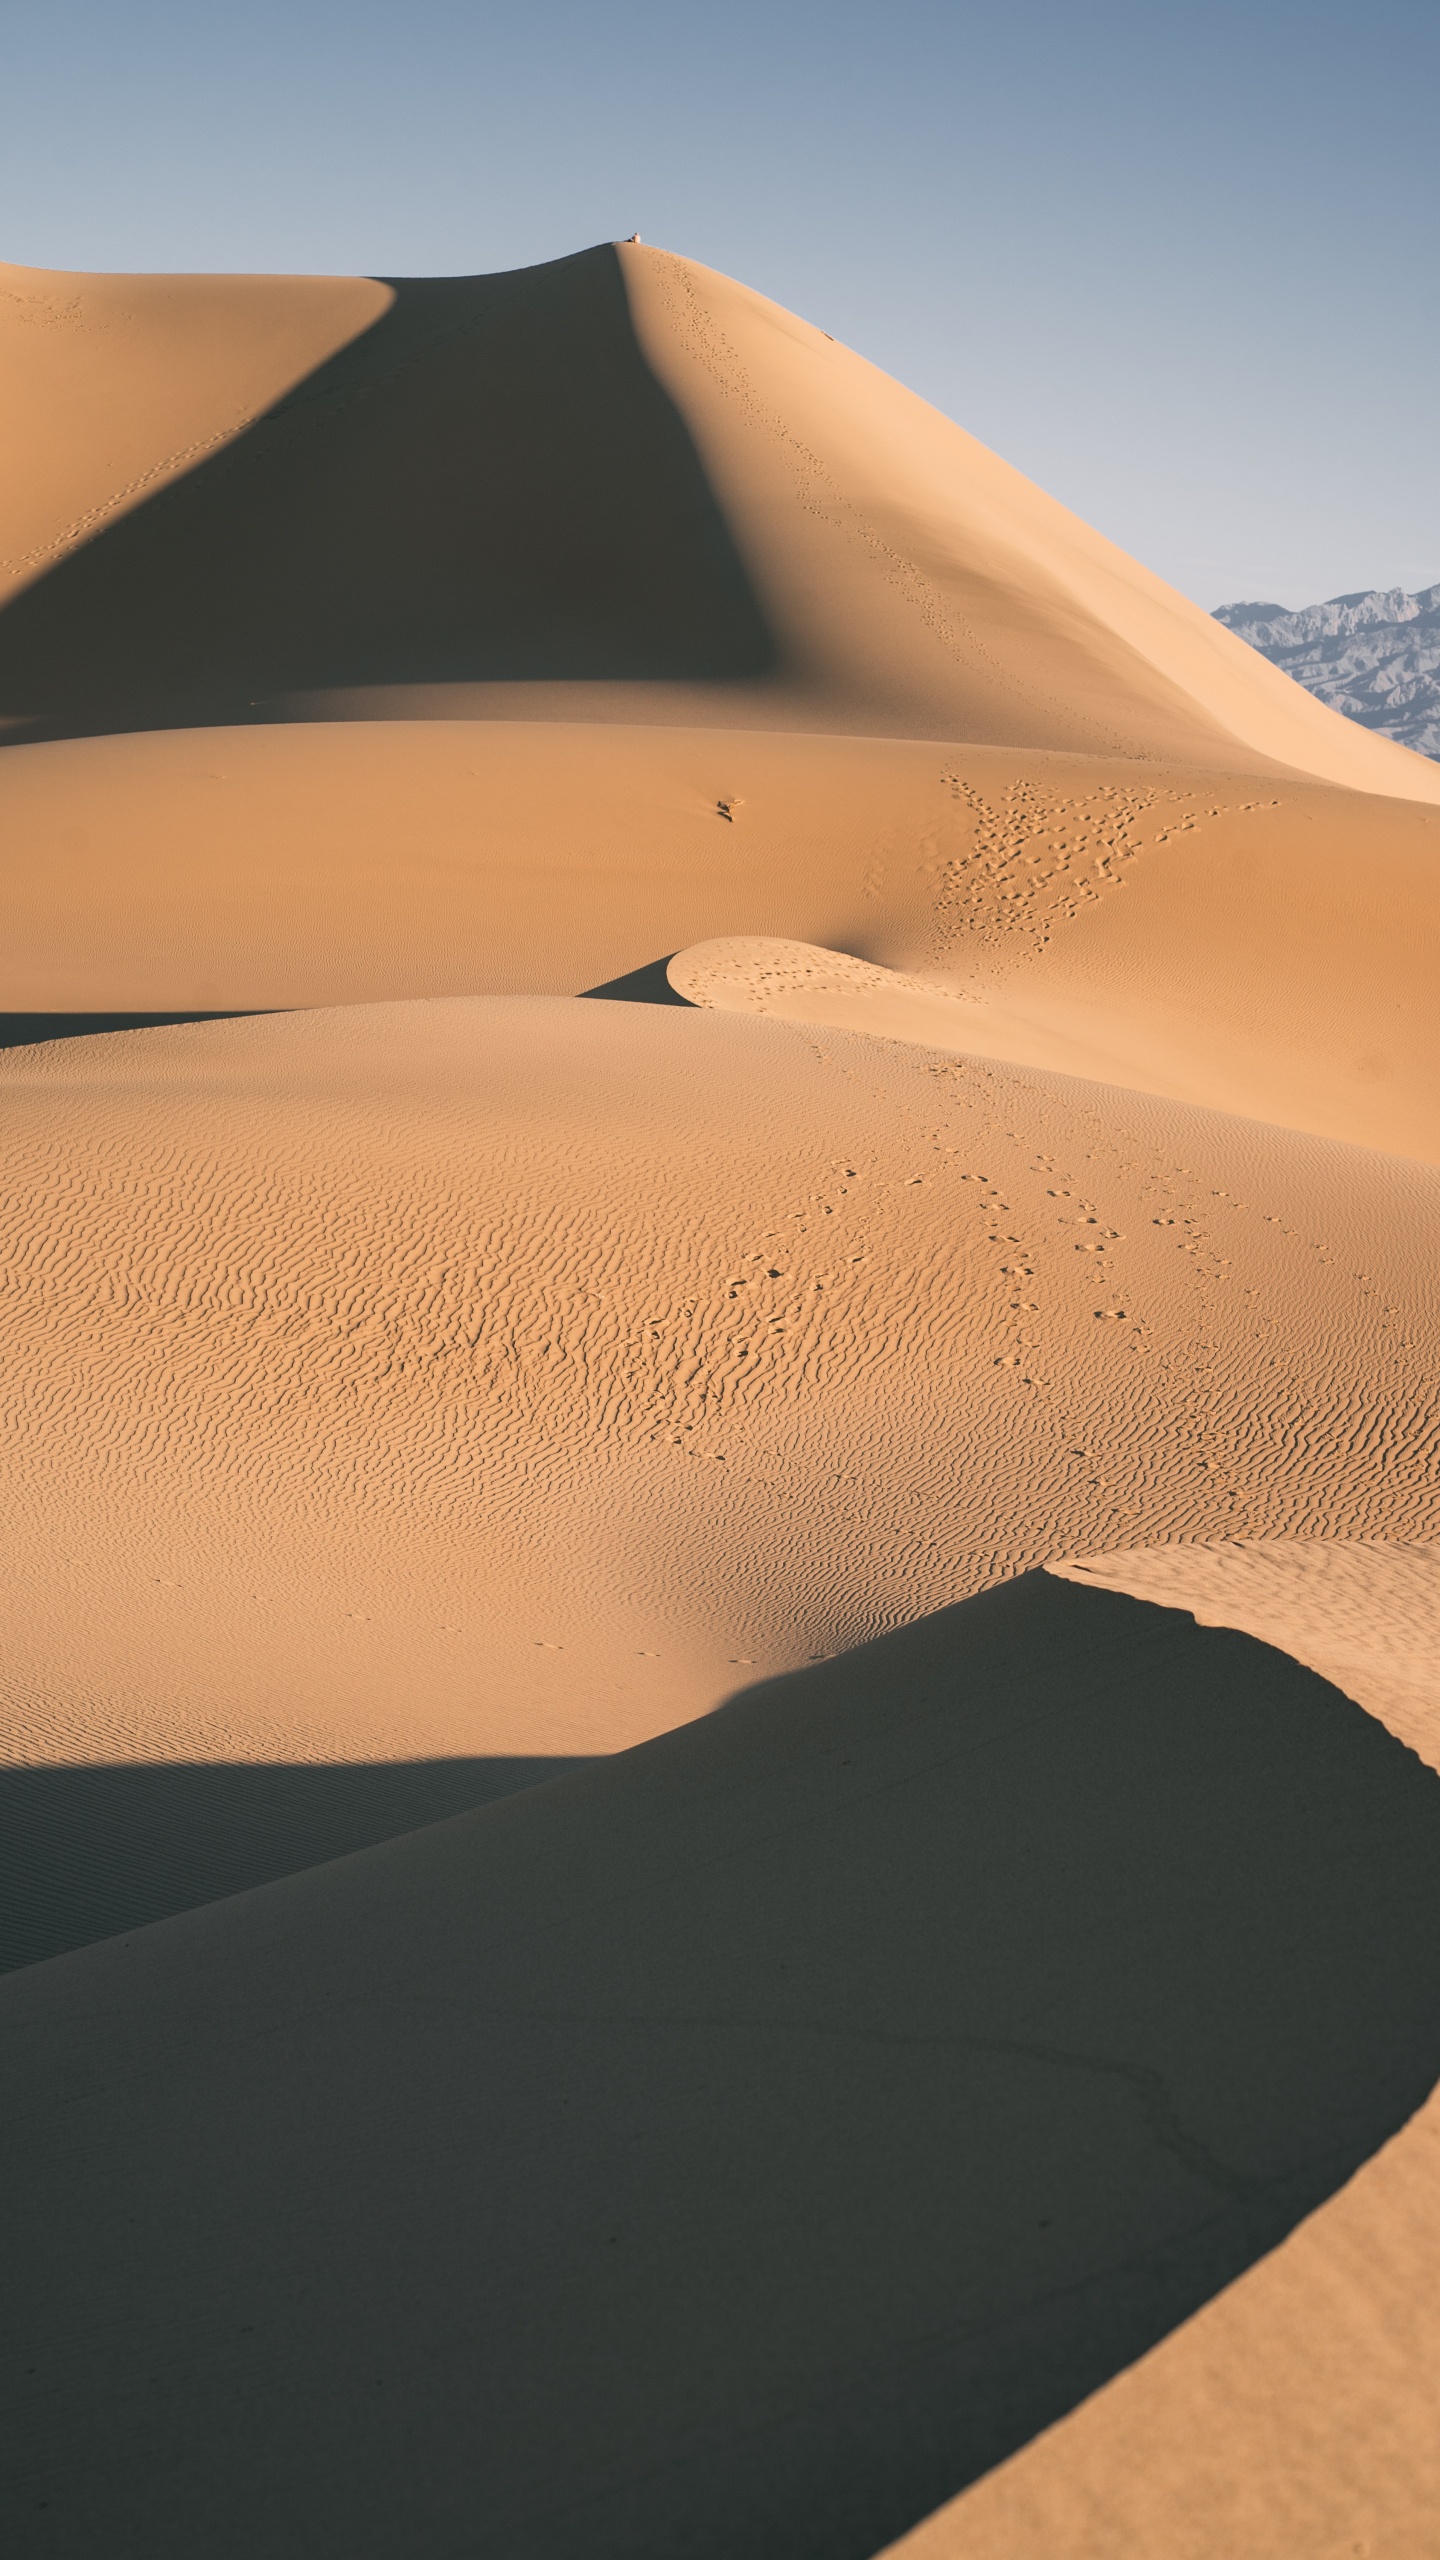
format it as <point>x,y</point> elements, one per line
<point>602,1958</point>
<point>1297,2411</point>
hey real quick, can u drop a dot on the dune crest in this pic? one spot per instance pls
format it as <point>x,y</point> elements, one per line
<point>1363,1613</point>
<point>609,578</point>
<point>918,1949</point>
<point>893,549</point>
<point>1254,2429</point>
<point>618,477</point>
<point>118,386</point>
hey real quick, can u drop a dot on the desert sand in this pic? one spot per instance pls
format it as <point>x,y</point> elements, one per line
<point>721,1688</point>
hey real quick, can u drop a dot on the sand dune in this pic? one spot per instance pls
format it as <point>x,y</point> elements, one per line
<point>811,2103</point>
<point>1158,993</point>
<point>620,475</point>
<point>1296,2412</point>
<point>461,1388</point>
<point>629,1974</point>
<point>552,622</point>
<point>118,386</point>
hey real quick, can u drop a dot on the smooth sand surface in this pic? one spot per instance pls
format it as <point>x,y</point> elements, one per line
<point>601,1962</point>
<point>1297,2411</point>
<point>736,2147</point>
<point>614,477</point>
<point>1269,951</point>
<point>118,386</point>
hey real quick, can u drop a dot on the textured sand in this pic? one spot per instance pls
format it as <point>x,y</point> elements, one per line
<point>317,1328</point>
<point>983,2068</point>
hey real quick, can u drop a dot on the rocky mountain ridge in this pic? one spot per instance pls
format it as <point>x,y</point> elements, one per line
<point>1374,656</point>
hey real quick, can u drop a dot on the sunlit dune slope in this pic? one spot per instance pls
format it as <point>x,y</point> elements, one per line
<point>501,1376</point>
<point>616,480</point>
<point>736,2148</point>
<point>511,633</point>
<point>1272,974</point>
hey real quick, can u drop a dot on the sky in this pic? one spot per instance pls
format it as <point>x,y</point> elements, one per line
<point>1178,263</point>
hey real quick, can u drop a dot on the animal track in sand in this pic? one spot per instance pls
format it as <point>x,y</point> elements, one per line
<point>1038,857</point>
<point>298,1334</point>
<point>44,311</point>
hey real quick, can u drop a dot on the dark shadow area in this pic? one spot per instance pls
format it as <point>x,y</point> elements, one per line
<point>23,1030</point>
<point>736,2148</point>
<point>87,1853</point>
<point>488,485</point>
<point>649,985</point>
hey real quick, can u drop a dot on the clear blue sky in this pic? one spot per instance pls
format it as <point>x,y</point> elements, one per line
<point>1179,263</point>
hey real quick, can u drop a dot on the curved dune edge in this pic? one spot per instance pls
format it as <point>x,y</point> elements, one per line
<point>800,982</point>
<point>1297,2411</point>
<point>1108,1027</point>
<point>921,1945</point>
<point>931,1392</point>
<point>1265,949</point>
<point>1046,626</point>
<point>1363,1613</point>
<point>614,1355</point>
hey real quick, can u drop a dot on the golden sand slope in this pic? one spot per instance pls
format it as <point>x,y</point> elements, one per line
<point>615,493</point>
<point>1162,991</point>
<point>548,1439</point>
<point>548,623</point>
<point>616,478</point>
<point>1271,950</point>
<point>359,1361</point>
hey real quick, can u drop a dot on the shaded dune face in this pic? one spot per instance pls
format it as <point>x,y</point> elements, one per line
<point>97,1850</point>
<point>818,2100</point>
<point>24,1030</point>
<point>488,484</point>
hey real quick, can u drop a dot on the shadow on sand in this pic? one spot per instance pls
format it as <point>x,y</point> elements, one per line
<point>736,2148</point>
<point>25,1030</point>
<point>488,485</point>
<point>90,1852</point>
<point>647,985</point>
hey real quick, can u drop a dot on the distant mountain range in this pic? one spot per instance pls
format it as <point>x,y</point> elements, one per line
<point>1376,657</point>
